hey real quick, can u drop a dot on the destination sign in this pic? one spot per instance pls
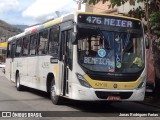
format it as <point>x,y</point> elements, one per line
<point>109,21</point>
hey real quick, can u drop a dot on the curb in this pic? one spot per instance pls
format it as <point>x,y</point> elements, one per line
<point>150,104</point>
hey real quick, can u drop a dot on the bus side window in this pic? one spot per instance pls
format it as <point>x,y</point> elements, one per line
<point>43,43</point>
<point>25,46</point>
<point>9,50</point>
<point>33,43</point>
<point>53,42</point>
<point>18,48</point>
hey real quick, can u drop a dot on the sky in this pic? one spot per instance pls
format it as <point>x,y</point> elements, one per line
<point>29,12</point>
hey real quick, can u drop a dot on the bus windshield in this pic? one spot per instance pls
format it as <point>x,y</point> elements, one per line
<point>110,51</point>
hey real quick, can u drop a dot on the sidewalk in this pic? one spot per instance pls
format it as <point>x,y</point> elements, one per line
<point>149,100</point>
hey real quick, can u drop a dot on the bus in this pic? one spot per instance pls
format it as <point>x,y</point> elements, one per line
<point>81,56</point>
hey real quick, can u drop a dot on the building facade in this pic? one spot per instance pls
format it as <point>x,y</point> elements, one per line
<point>105,7</point>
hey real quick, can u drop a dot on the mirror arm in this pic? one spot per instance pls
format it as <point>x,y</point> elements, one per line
<point>147,43</point>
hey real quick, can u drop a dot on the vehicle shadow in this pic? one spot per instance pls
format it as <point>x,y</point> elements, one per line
<point>111,107</point>
<point>99,106</point>
<point>35,92</point>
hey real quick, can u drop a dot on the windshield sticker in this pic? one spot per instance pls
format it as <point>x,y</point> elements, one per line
<point>118,61</point>
<point>102,53</point>
<point>87,52</point>
<point>96,61</point>
<point>111,68</point>
<point>117,38</point>
<point>118,58</point>
<point>118,64</point>
<point>138,61</point>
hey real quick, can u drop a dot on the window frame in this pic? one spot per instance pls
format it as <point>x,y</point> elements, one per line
<point>36,46</point>
<point>27,36</point>
<point>21,47</point>
<point>58,29</point>
<point>38,42</point>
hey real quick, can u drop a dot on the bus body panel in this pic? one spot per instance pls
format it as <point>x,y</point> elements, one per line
<point>8,68</point>
<point>85,94</point>
<point>78,92</point>
<point>33,71</point>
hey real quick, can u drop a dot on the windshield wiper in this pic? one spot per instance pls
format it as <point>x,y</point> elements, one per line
<point>103,37</point>
<point>126,42</point>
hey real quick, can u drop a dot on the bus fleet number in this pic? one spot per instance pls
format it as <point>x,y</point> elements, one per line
<point>94,20</point>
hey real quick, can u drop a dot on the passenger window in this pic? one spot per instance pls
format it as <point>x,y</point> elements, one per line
<point>25,46</point>
<point>33,44</point>
<point>53,42</point>
<point>18,48</point>
<point>43,43</point>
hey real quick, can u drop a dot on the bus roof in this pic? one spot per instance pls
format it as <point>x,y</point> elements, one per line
<point>36,28</point>
<point>52,22</point>
<point>91,13</point>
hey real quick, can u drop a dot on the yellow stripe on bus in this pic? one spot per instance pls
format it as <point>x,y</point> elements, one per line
<point>98,84</point>
<point>4,44</point>
<point>55,68</point>
<point>51,23</point>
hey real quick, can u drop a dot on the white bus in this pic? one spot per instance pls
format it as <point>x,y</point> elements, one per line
<point>81,56</point>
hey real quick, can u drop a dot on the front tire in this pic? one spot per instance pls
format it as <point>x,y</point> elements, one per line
<point>56,99</point>
<point>18,85</point>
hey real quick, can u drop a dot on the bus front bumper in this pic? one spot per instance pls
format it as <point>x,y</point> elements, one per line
<point>89,94</point>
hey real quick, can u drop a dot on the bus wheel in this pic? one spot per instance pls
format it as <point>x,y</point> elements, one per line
<point>57,100</point>
<point>18,85</point>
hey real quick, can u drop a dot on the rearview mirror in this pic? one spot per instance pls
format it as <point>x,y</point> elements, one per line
<point>13,49</point>
<point>74,37</point>
<point>147,43</point>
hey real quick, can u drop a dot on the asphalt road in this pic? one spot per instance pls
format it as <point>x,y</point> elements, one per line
<point>33,100</point>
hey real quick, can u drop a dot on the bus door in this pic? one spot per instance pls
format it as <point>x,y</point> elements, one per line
<point>13,49</point>
<point>66,46</point>
<point>64,60</point>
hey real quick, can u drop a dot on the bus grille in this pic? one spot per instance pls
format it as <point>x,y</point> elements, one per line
<point>104,95</point>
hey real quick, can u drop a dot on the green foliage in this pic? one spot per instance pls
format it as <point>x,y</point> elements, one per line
<point>9,27</point>
<point>113,2</point>
<point>93,1</point>
<point>155,22</point>
<point>7,30</point>
<point>155,17</point>
<point>137,13</point>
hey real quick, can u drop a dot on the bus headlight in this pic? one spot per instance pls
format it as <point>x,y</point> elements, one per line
<point>142,84</point>
<point>82,81</point>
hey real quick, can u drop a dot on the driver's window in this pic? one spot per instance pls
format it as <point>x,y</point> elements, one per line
<point>137,46</point>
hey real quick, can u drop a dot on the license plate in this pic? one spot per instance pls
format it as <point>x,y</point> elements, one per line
<point>115,98</point>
